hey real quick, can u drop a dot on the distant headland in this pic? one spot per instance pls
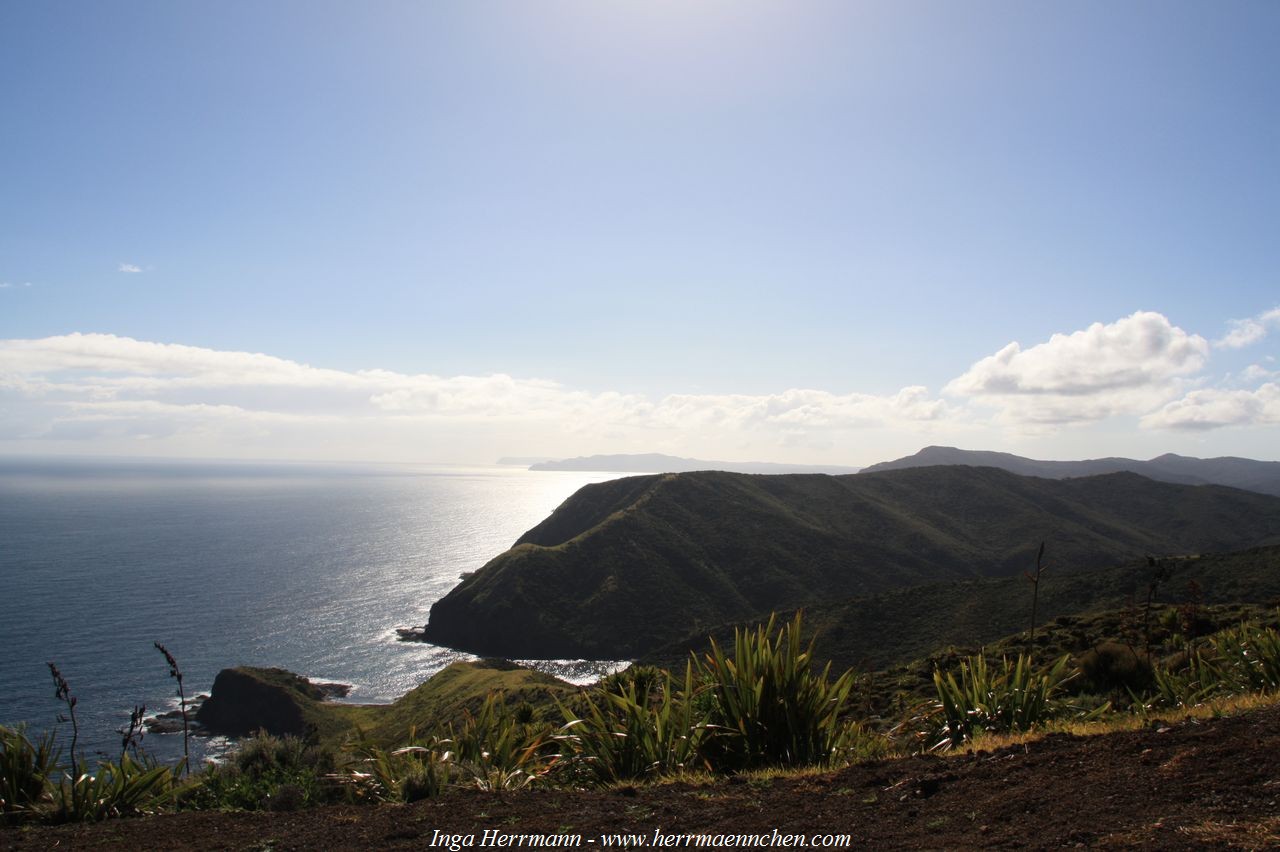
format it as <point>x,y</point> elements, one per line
<point>660,463</point>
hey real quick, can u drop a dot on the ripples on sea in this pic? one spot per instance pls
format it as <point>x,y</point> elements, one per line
<point>307,567</point>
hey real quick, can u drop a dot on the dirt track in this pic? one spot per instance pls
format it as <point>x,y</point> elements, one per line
<point>1189,785</point>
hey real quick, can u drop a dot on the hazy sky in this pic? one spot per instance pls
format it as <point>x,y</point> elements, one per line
<point>788,231</point>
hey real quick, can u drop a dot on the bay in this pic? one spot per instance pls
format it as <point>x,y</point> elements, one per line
<point>309,567</point>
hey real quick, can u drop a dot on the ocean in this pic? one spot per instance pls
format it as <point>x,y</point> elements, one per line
<point>310,567</point>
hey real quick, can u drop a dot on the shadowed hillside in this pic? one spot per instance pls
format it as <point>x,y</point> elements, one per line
<point>877,631</point>
<point>627,566</point>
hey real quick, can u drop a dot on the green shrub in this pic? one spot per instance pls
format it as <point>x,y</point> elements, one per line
<point>499,752</point>
<point>1112,667</point>
<point>267,773</point>
<point>636,724</point>
<point>124,788</point>
<point>1248,658</point>
<point>1239,660</point>
<point>1014,697</point>
<point>25,768</point>
<point>767,706</point>
<point>399,775</point>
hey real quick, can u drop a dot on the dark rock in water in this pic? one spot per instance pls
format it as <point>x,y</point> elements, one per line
<point>171,722</point>
<point>332,689</point>
<point>409,634</point>
<point>246,700</point>
<point>159,725</point>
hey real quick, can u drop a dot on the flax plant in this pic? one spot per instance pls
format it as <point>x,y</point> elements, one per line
<point>25,769</point>
<point>1013,697</point>
<point>638,724</point>
<point>1235,661</point>
<point>768,706</point>
<point>125,788</point>
<point>498,751</point>
<point>407,774</point>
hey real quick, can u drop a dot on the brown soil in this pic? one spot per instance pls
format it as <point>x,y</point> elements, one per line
<point>1191,784</point>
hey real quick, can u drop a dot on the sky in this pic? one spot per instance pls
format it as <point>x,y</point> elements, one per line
<point>803,231</point>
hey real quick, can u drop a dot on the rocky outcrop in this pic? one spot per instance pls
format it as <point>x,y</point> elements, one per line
<point>245,700</point>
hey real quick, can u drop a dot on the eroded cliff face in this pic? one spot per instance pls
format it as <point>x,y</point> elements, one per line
<point>245,700</point>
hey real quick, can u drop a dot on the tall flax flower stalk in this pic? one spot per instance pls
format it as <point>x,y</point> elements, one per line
<point>176,673</point>
<point>63,693</point>
<point>1035,597</point>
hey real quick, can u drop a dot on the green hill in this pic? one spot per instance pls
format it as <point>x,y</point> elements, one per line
<point>627,566</point>
<point>895,627</point>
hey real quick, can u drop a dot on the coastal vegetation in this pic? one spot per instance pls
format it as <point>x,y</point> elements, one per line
<point>762,703</point>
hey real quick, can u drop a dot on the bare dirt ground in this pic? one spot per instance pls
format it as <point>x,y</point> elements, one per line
<point>1190,784</point>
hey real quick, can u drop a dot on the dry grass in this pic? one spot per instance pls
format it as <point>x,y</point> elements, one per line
<point>1242,834</point>
<point>1227,706</point>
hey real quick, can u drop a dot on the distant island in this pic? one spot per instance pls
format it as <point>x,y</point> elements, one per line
<point>524,461</point>
<point>1249,474</point>
<point>660,463</point>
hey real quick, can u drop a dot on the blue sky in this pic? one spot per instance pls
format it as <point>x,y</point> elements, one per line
<point>741,229</point>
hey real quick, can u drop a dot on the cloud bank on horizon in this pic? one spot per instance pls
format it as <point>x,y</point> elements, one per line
<point>1139,374</point>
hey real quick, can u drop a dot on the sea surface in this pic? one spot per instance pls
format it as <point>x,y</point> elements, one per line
<point>305,566</point>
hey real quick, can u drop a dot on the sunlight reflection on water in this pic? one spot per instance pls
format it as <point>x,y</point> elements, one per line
<point>307,568</point>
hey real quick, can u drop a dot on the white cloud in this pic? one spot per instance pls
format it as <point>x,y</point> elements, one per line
<point>129,267</point>
<point>9,285</point>
<point>1212,408</point>
<point>120,386</point>
<point>799,408</point>
<point>1246,332</point>
<point>1256,373</point>
<point>1126,367</point>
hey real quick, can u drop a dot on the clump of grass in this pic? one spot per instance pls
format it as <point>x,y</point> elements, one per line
<point>637,724</point>
<point>25,769</point>
<point>124,788</point>
<point>1015,696</point>
<point>767,705</point>
<point>1235,661</point>
<point>33,787</point>
<point>498,751</point>
<point>1112,666</point>
<point>267,773</point>
<point>407,774</point>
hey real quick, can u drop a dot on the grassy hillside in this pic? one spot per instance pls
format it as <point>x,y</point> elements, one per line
<point>879,631</point>
<point>628,566</point>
